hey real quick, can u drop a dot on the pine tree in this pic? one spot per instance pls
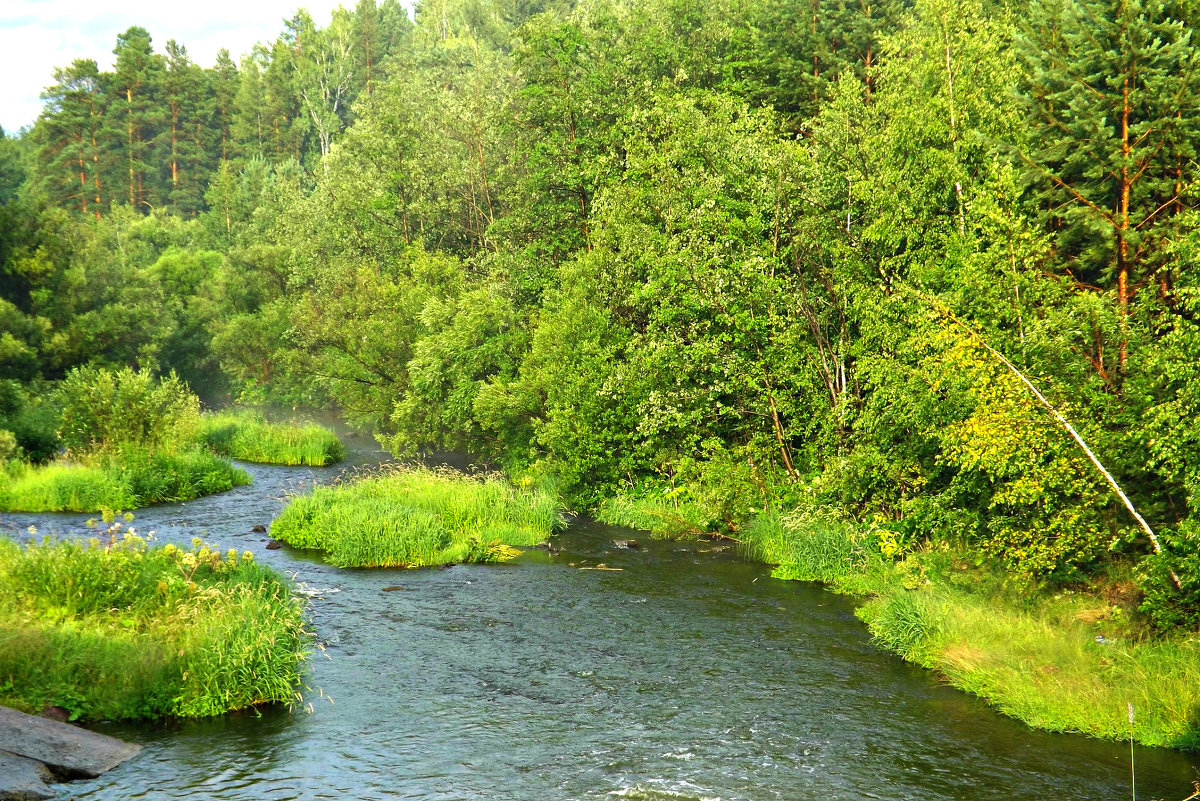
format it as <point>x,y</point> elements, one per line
<point>135,118</point>
<point>67,133</point>
<point>224,80</point>
<point>1113,109</point>
<point>185,92</point>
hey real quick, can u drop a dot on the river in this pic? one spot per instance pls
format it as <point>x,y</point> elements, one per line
<point>685,674</point>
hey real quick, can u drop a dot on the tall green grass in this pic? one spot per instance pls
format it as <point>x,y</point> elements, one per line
<point>1033,655</point>
<point>250,437</point>
<point>414,517</point>
<point>1042,663</point>
<point>659,513</point>
<point>125,480</point>
<point>129,631</point>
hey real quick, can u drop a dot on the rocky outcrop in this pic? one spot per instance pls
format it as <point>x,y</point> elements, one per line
<point>24,779</point>
<point>35,750</point>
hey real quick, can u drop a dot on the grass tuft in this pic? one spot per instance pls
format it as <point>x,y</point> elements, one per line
<point>415,517</point>
<point>248,436</point>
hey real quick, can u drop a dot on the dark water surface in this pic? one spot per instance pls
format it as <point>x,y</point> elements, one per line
<point>687,674</point>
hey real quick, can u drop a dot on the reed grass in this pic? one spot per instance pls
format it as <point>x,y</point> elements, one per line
<point>417,517</point>
<point>126,480</point>
<point>249,436</point>
<point>132,631</point>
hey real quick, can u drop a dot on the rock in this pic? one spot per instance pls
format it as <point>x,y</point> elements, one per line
<point>274,545</point>
<point>627,545</point>
<point>67,750</point>
<point>56,713</point>
<point>259,529</point>
<point>394,588</point>
<point>23,779</point>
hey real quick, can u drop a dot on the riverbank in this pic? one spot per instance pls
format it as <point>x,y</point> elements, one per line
<point>1071,660</point>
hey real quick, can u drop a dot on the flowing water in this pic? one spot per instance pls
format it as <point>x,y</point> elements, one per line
<point>685,674</point>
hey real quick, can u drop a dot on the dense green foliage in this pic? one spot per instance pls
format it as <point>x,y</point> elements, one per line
<point>125,630</point>
<point>414,517</point>
<point>249,436</point>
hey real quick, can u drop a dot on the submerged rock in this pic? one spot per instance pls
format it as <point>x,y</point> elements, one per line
<point>274,545</point>
<point>67,750</point>
<point>627,545</point>
<point>259,528</point>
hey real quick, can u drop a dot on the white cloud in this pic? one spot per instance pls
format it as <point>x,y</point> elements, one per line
<point>38,35</point>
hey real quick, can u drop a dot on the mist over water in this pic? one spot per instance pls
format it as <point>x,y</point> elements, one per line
<point>685,674</point>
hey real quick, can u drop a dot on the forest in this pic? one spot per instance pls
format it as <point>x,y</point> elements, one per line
<point>724,265</point>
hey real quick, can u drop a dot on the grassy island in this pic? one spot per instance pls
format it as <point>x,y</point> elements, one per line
<point>248,436</point>
<point>127,438</point>
<point>127,480</point>
<point>416,517</point>
<point>118,629</point>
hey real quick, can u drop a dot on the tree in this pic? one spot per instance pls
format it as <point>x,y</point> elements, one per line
<point>184,144</point>
<point>1113,108</point>
<point>68,133</point>
<point>135,117</point>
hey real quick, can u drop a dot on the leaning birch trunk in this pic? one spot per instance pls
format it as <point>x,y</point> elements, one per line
<point>1070,429</point>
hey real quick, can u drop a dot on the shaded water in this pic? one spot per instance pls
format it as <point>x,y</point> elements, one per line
<point>686,674</point>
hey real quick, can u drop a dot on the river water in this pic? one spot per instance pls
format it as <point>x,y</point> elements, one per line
<point>685,674</point>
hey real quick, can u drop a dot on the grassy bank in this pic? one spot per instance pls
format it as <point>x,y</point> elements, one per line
<point>1068,661</point>
<point>130,631</point>
<point>127,480</point>
<point>415,517</point>
<point>249,436</point>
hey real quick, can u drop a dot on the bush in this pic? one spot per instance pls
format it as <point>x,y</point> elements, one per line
<point>415,517</point>
<point>123,630</point>
<point>1167,606</point>
<point>109,410</point>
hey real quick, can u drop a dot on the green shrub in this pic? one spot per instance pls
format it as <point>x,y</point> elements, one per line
<point>413,517</point>
<point>123,630</point>
<point>108,410</point>
<point>248,436</point>
<point>1167,606</point>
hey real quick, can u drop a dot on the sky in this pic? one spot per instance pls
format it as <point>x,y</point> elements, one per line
<point>38,35</point>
